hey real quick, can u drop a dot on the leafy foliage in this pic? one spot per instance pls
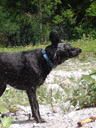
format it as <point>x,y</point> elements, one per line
<point>6,122</point>
<point>24,22</point>
<point>86,91</point>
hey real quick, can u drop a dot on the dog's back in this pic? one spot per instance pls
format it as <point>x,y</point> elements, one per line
<point>21,70</point>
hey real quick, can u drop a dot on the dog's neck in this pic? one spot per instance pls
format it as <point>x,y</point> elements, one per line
<point>47,59</point>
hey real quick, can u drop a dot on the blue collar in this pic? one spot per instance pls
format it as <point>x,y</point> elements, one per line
<point>47,59</point>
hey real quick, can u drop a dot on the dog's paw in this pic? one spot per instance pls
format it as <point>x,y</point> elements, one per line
<point>41,121</point>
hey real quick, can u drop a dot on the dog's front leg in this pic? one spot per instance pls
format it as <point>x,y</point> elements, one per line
<point>34,105</point>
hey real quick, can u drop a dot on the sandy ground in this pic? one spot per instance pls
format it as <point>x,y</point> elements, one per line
<point>53,120</point>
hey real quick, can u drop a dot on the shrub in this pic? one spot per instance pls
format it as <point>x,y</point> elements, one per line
<point>86,91</point>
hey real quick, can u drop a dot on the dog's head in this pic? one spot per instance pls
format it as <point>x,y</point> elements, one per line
<point>58,51</point>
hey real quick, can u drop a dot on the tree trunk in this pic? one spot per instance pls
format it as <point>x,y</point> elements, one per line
<point>40,14</point>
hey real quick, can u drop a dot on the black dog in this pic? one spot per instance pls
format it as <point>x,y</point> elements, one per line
<point>27,70</point>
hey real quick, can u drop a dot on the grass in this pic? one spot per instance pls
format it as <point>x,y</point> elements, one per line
<point>21,48</point>
<point>11,98</point>
<point>86,61</point>
<point>88,45</point>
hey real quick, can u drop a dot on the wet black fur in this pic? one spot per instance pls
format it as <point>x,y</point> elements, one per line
<point>27,70</point>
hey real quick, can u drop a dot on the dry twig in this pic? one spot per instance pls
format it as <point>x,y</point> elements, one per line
<point>92,119</point>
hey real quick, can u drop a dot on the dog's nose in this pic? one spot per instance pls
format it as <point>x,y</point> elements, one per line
<point>79,50</point>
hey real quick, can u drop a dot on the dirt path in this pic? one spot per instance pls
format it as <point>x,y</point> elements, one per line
<point>53,120</point>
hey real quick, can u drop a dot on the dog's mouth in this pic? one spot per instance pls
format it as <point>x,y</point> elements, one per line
<point>74,52</point>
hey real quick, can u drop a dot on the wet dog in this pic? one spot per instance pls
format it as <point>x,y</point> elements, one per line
<point>27,70</point>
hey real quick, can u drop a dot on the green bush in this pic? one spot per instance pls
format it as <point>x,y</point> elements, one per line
<point>6,122</point>
<point>85,93</point>
<point>19,29</point>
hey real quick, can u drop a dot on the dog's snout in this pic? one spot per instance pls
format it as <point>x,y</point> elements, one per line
<point>79,50</point>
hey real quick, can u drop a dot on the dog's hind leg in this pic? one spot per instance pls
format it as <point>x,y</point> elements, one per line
<point>34,105</point>
<point>2,89</point>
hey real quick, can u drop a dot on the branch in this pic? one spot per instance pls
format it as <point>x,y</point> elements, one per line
<point>92,119</point>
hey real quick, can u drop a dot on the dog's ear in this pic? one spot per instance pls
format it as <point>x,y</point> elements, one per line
<point>54,38</point>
